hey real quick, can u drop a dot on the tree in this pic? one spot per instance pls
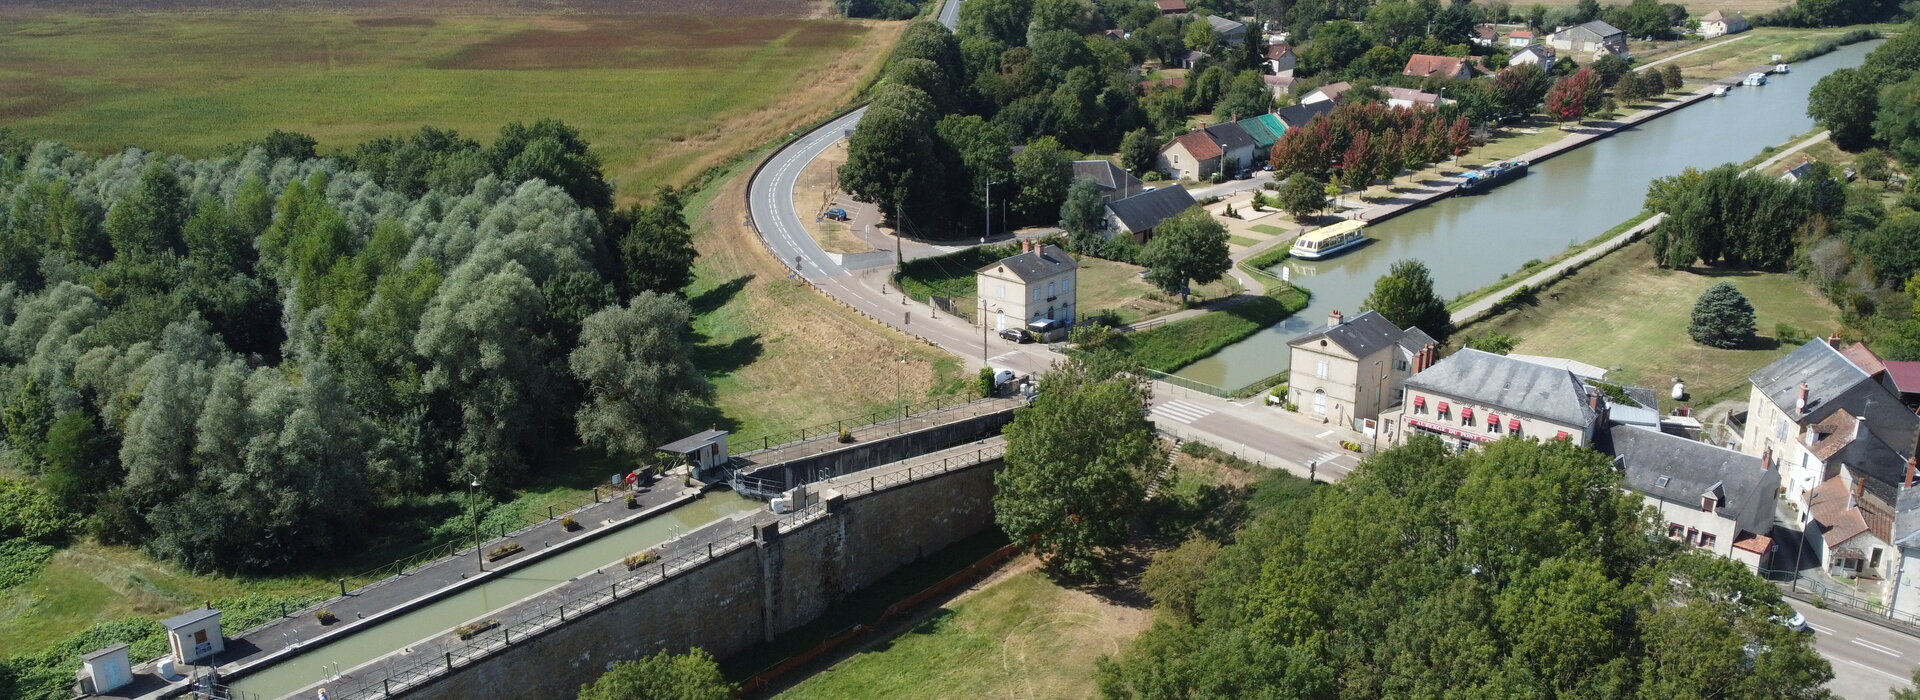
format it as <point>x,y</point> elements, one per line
<point>1521,87</point>
<point>642,385</point>
<point>486,359</point>
<point>1189,247</point>
<point>658,251</point>
<point>1138,152</point>
<point>1082,214</point>
<point>1722,318</point>
<point>1628,90</point>
<point>554,152</point>
<point>1897,123</point>
<point>1077,462</point>
<point>980,152</point>
<point>1043,171</point>
<point>1247,96</point>
<point>1405,297</point>
<point>891,155</point>
<point>1671,79</point>
<point>1333,46</point>
<point>662,676</point>
<point>79,460</point>
<point>1302,197</point>
<point>1174,578</point>
<point>1394,21</point>
<point>1893,247</point>
<point>1569,99</point>
<point>1494,342</point>
<point>147,223</point>
<point>1845,103</point>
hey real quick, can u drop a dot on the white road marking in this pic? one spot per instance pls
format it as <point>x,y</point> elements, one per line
<point>1324,434</point>
<point>1181,411</point>
<point>1324,457</point>
<point>1902,681</point>
<point>1877,647</point>
<point>1820,629</point>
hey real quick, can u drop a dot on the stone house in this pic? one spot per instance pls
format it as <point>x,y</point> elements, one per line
<point>1036,284</point>
<point>1281,84</point>
<point>1791,412</point>
<point>1296,116</point>
<point>1349,370</point>
<point>1329,93</point>
<point>1709,497</point>
<point>1472,397</point>
<point>1718,23</point>
<point>1192,155</point>
<point>1139,215</point>
<point>1280,59</point>
<point>1519,38</point>
<point>1424,66</point>
<point>1115,182</point>
<point>1536,54</point>
<point>1236,146</point>
<point>1484,35</point>
<point>1854,514</point>
<point>1171,7</point>
<point>1592,38</point>
<point>1229,32</point>
<point>1904,594</point>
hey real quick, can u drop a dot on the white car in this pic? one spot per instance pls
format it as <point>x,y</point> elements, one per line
<point>1797,623</point>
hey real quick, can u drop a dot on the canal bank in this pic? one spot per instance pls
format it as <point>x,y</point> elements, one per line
<point>1571,198</point>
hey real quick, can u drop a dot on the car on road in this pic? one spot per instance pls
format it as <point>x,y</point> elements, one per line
<point>1002,377</point>
<point>837,214</point>
<point>1797,623</point>
<point>1013,334</point>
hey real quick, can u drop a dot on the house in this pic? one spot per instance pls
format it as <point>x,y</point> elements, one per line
<point>1423,66</point>
<point>1172,7</point>
<point>1036,284</point>
<point>1347,371</point>
<point>1519,39</point>
<point>1191,59</point>
<point>1406,98</point>
<point>1281,84</point>
<point>1139,215</point>
<point>1114,34</point>
<point>1718,23</point>
<point>1192,155</point>
<point>1536,54</point>
<point>1904,595</point>
<point>705,452</point>
<point>1798,172</point>
<point>1115,183</point>
<point>1326,93</point>
<point>1853,514</point>
<point>1593,38</point>
<point>1236,146</point>
<point>1473,397</point>
<point>1280,59</point>
<point>1265,130</point>
<point>1229,32</point>
<point>1300,115</point>
<point>1709,497</point>
<point>1903,379</point>
<point>1815,410</point>
<point>1484,35</point>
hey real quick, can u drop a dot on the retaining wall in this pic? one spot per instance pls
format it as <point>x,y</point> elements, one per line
<point>883,451</point>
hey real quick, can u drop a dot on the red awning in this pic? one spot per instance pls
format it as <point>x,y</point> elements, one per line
<point>1561,436</point>
<point>1420,401</point>
<point>1447,430</point>
<point>1443,407</point>
<point>1513,424</point>
<point>1493,420</point>
<point>1466,414</point>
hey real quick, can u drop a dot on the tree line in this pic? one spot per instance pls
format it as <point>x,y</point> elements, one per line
<point>237,363</point>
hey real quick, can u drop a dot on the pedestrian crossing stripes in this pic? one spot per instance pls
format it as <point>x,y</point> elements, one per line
<point>1323,457</point>
<point>1181,411</point>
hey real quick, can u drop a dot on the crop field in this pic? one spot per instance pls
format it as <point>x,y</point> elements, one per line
<point>660,97</point>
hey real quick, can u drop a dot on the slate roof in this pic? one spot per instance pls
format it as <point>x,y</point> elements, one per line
<point>1038,264</point>
<point>1691,469</point>
<point>1423,65</point>
<point>1906,518</point>
<point>692,442</point>
<point>1145,211</point>
<point>1108,176</point>
<point>1597,28</point>
<point>1197,144</point>
<point>189,617</point>
<point>1222,25</point>
<point>1284,82</point>
<point>1543,52</point>
<point>1298,116</point>
<point>1905,374</point>
<point>1826,372</point>
<point>1366,334</point>
<point>1509,384</point>
<point>1230,137</point>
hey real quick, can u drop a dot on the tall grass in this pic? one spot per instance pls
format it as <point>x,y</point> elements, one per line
<point>1831,45</point>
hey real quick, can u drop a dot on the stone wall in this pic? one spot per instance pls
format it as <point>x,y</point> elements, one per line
<point>883,451</point>
<point>781,581</point>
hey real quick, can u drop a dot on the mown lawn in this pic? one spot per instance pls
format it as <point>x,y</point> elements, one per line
<point>1104,285</point>
<point>1623,313</point>
<point>659,97</point>
<point>1169,347</point>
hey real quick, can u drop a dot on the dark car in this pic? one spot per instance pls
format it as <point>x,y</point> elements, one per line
<point>837,214</point>
<point>1013,334</point>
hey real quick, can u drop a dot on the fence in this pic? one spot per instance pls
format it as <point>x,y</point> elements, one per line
<point>1823,594</point>
<point>922,409</point>
<point>479,646</point>
<point>1185,383</point>
<point>1257,456</point>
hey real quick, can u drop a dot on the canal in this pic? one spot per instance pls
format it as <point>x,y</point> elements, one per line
<point>1469,242</point>
<point>394,634</point>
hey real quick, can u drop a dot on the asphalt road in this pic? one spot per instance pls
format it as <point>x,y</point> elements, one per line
<point>1869,660</point>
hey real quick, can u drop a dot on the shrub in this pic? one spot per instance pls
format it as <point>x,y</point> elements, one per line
<point>21,560</point>
<point>1350,446</point>
<point>635,561</point>
<point>985,383</point>
<point>846,435</point>
<point>472,629</point>
<point>633,501</point>
<point>1787,334</point>
<point>1722,318</point>
<point>325,616</point>
<point>504,551</point>
<point>569,523</point>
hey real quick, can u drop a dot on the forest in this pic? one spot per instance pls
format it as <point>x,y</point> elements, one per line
<point>249,363</point>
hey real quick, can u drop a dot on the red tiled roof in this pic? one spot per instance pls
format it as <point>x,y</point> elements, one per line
<point>1863,358</point>
<point>1198,145</point>
<point>1758,544</point>
<point>1275,51</point>
<point>1839,430</point>
<point>1905,374</point>
<point>1171,5</point>
<point>1520,34</point>
<point>1828,502</point>
<point>1424,65</point>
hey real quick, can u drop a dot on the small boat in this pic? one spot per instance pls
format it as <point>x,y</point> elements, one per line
<point>1492,175</point>
<point>1755,79</point>
<point>1328,241</point>
<point>1782,68</point>
<point>1720,91</point>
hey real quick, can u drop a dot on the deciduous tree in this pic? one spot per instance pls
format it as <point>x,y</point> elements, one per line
<point>1302,197</point>
<point>1844,102</point>
<point>1082,214</point>
<point>690,676</point>
<point>1405,297</point>
<point>642,385</point>
<point>658,251</point>
<point>1188,248</point>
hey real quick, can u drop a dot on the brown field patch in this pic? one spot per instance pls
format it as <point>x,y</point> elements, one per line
<point>621,42</point>
<point>385,9</point>
<point>1698,7</point>
<point>393,21</point>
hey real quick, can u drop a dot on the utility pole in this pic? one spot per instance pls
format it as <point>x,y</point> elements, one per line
<point>987,217</point>
<point>477,555</point>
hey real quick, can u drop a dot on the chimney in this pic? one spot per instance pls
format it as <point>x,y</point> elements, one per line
<point>1859,488</point>
<point>1801,405</point>
<point>1833,341</point>
<point>1593,399</point>
<point>1766,459</point>
<point>1911,466</point>
<point>1333,318</point>
<point>1026,246</point>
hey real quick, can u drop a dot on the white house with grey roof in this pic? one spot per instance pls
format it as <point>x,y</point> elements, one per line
<point>1594,38</point>
<point>1115,182</point>
<point>1347,371</point>
<point>1815,410</point>
<point>1904,595</point>
<point>1712,498</point>
<point>1139,215</point>
<point>1472,397</point>
<point>1034,285</point>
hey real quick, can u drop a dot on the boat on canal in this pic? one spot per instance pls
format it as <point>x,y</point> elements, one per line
<point>1328,241</point>
<point>1720,91</point>
<point>1755,79</point>
<point>1485,178</point>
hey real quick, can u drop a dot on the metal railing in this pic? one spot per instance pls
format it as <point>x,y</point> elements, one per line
<point>882,482</point>
<point>1824,594</point>
<point>829,431</point>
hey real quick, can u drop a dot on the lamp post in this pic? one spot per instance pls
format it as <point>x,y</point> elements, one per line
<point>983,329</point>
<point>478,558</point>
<point>986,229</point>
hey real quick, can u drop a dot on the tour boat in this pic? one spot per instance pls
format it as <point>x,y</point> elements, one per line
<point>1755,79</point>
<point>1329,241</point>
<point>1492,175</point>
<point>1782,68</point>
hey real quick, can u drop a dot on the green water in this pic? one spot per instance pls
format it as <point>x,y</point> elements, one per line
<point>393,634</point>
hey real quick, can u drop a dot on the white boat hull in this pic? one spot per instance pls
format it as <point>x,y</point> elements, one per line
<point>1327,253</point>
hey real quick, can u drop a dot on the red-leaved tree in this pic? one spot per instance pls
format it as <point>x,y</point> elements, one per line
<point>1569,98</point>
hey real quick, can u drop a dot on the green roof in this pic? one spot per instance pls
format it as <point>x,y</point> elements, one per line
<point>1265,128</point>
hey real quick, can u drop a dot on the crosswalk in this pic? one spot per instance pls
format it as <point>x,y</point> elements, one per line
<point>1181,411</point>
<point>1324,457</point>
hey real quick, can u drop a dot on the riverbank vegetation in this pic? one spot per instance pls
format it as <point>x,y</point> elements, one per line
<point>1175,344</point>
<point>1481,594</point>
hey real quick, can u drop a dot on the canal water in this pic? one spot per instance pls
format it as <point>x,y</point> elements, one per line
<point>431,620</point>
<point>1469,242</point>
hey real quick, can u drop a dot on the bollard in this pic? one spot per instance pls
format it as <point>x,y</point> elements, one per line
<point>550,511</point>
<point>386,685</point>
<point>343,587</point>
<point>506,633</point>
<point>709,550</point>
<point>449,660</point>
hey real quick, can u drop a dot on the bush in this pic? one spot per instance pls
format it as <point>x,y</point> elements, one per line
<point>984,385</point>
<point>21,560</point>
<point>846,436</point>
<point>504,551</point>
<point>1267,258</point>
<point>1171,346</point>
<point>471,629</point>
<point>325,616</point>
<point>569,524</point>
<point>1722,318</point>
<point>1787,334</point>
<point>635,561</point>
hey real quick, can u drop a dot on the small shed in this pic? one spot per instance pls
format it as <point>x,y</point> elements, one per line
<point>195,635</point>
<point>105,670</point>
<point>706,450</point>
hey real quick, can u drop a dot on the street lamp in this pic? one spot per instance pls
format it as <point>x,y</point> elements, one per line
<point>986,229</point>
<point>898,397</point>
<point>983,329</point>
<point>477,556</point>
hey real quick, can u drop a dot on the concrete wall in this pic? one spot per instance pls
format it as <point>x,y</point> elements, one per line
<point>781,581</point>
<point>883,451</point>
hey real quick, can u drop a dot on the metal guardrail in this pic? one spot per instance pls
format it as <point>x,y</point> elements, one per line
<point>1824,594</point>
<point>919,409</point>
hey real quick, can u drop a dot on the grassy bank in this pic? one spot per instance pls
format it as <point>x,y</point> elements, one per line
<point>1501,285</point>
<point>1103,285</point>
<point>660,97</point>
<point>1170,346</point>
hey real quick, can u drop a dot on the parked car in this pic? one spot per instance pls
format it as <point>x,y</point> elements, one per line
<point>1243,174</point>
<point>837,214</point>
<point>1002,377</point>
<point>1013,334</point>
<point>1797,623</point>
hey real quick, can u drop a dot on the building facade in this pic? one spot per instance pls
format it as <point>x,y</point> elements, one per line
<point>1192,155</point>
<point>1593,38</point>
<point>1718,23</point>
<point>1712,498</point>
<point>1349,370</point>
<point>1037,284</point>
<point>1473,397</point>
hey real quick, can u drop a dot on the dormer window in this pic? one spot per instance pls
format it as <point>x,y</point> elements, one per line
<point>1708,503</point>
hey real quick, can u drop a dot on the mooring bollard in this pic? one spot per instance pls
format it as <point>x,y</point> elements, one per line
<point>343,587</point>
<point>449,660</point>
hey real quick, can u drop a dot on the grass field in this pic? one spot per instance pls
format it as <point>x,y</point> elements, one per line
<point>1104,285</point>
<point>1698,7</point>
<point>1176,344</point>
<point>660,97</point>
<point>1623,313</point>
<point>1728,56</point>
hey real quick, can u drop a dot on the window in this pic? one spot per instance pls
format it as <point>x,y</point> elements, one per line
<point>1050,290</point>
<point>1874,563</point>
<point>1493,423</point>
<point>1708,503</point>
<point>1513,426</point>
<point>1445,411</point>
<point>1036,294</point>
<point>1780,428</point>
<point>1320,402</point>
<point>1399,365</point>
<point>1001,293</point>
<point>1322,372</point>
<point>1466,416</point>
<point>1419,404</point>
<point>1706,540</point>
<point>1692,535</point>
<point>1675,531</point>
